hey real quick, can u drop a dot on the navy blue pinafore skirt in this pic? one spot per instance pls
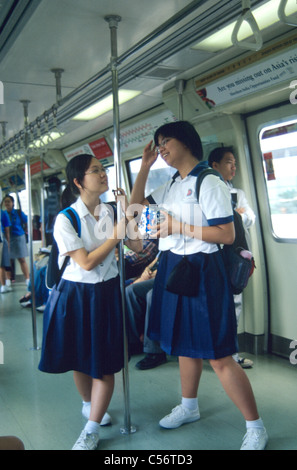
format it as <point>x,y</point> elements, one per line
<point>83,329</point>
<point>203,326</point>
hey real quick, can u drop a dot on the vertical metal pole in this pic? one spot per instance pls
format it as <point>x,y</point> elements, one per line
<point>180,86</point>
<point>43,240</point>
<point>113,21</point>
<point>58,75</point>
<point>30,231</point>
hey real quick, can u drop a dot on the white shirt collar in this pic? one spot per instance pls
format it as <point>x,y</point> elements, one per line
<point>83,211</point>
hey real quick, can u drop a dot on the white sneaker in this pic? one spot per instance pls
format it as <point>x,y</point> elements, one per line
<point>87,441</point>
<point>106,420</point>
<point>245,363</point>
<point>4,290</point>
<point>178,416</point>
<point>255,439</point>
<point>41,309</point>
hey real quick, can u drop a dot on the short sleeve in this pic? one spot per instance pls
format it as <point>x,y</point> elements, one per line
<point>24,218</point>
<point>66,236</point>
<point>215,201</point>
<point>5,220</point>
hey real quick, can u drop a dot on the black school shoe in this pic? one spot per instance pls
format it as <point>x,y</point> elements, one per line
<point>151,360</point>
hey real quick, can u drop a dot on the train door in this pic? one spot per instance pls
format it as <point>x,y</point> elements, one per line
<point>273,143</point>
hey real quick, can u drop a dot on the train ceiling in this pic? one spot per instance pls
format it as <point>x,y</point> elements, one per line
<point>155,40</point>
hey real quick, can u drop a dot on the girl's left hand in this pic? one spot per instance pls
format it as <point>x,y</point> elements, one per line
<point>168,226</point>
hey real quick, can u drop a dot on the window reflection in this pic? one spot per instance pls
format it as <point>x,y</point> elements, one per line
<point>159,174</point>
<point>279,151</point>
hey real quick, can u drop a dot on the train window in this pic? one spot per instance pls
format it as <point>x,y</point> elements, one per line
<point>23,200</point>
<point>279,150</point>
<point>160,173</point>
<point>108,196</point>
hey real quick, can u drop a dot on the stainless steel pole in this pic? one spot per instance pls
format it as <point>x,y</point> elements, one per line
<point>113,21</point>
<point>30,231</point>
<point>180,86</point>
<point>43,240</point>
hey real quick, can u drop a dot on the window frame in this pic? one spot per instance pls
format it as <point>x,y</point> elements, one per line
<point>264,128</point>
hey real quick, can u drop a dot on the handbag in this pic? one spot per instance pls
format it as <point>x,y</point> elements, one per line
<point>183,279</point>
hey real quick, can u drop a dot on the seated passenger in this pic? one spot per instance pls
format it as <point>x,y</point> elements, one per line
<point>138,302</point>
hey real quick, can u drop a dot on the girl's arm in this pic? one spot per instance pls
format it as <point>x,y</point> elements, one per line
<point>218,234</point>
<point>7,234</point>
<point>89,261</point>
<point>149,157</point>
<point>133,237</point>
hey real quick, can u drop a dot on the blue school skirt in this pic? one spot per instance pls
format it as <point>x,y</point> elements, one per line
<point>5,260</point>
<point>83,329</point>
<point>18,247</point>
<point>203,326</point>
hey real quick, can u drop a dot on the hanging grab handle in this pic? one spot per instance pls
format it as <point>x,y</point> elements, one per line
<point>247,16</point>
<point>282,15</point>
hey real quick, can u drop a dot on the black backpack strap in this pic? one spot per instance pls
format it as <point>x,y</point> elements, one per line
<point>202,175</point>
<point>234,200</point>
<point>72,215</point>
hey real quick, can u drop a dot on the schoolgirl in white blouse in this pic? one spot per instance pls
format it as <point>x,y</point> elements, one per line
<point>83,327</point>
<point>202,326</point>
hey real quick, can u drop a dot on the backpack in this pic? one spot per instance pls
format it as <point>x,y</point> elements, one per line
<point>53,272</point>
<point>238,259</point>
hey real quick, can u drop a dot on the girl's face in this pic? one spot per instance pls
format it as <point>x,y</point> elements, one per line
<point>8,204</point>
<point>95,180</point>
<point>171,150</point>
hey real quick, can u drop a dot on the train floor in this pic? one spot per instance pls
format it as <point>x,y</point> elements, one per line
<point>44,410</point>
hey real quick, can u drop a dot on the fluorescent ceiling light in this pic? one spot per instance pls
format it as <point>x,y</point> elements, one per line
<point>46,139</point>
<point>266,15</point>
<point>105,105</point>
<point>12,159</point>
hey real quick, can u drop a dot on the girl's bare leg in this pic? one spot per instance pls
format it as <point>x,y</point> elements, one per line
<point>237,386</point>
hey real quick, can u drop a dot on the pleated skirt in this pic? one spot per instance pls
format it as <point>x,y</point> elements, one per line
<point>203,326</point>
<point>18,247</point>
<point>83,329</point>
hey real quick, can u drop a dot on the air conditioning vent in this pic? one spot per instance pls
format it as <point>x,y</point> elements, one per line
<point>161,73</point>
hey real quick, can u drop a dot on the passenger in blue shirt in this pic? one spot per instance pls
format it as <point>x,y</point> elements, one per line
<point>5,258</point>
<point>18,246</point>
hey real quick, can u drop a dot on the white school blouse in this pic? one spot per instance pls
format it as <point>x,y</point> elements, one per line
<point>179,198</point>
<point>93,234</point>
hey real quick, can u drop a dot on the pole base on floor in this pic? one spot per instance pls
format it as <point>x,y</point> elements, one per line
<point>125,430</point>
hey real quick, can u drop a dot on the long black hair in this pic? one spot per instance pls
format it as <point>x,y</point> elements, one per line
<point>76,169</point>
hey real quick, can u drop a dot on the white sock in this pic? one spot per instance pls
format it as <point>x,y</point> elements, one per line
<point>258,423</point>
<point>8,282</point>
<point>190,403</point>
<point>92,427</point>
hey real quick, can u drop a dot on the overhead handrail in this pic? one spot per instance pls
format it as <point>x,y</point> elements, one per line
<point>282,14</point>
<point>75,101</point>
<point>248,17</point>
